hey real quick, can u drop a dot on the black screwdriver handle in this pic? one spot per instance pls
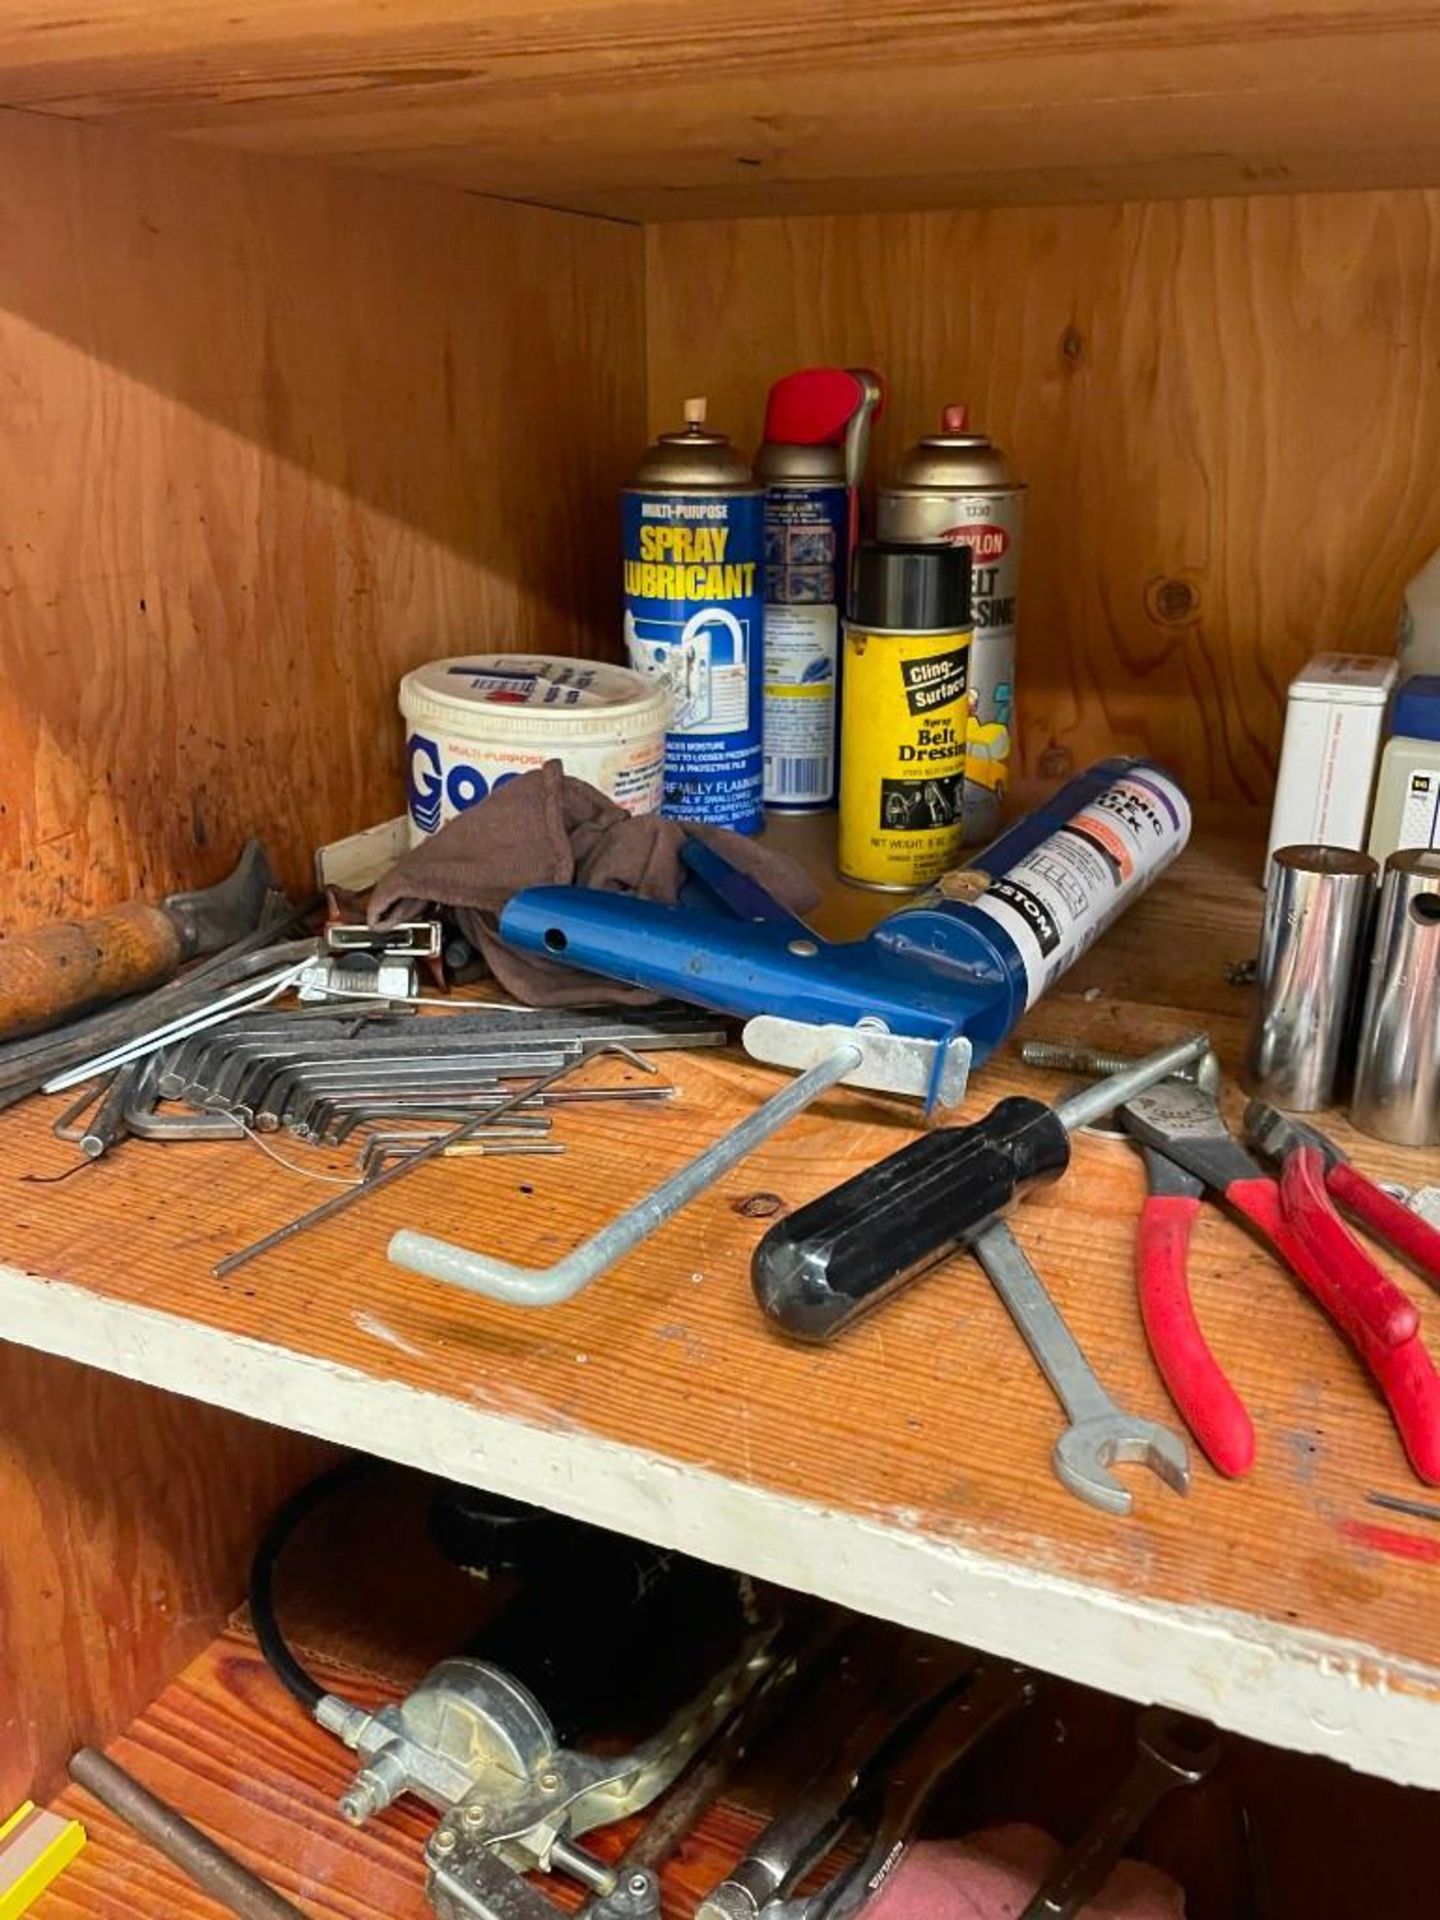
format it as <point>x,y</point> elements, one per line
<point>841,1255</point>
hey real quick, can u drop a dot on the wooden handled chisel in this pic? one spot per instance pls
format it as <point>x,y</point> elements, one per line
<point>50,975</point>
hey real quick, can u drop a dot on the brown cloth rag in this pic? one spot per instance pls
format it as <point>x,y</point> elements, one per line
<point>546,829</point>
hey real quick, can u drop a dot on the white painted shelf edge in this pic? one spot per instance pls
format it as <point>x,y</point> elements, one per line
<point>1286,1686</point>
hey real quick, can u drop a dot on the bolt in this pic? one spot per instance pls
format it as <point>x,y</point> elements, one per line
<point>1099,1063</point>
<point>639,1884</point>
<point>355,1806</point>
<point>549,1782</point>
<point>444,1841</point>
<point>475,1814</point>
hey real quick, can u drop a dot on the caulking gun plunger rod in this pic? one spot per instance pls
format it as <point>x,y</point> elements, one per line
<point>549,1286</point>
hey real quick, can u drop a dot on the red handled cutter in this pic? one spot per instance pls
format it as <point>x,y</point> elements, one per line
<point>1318,1174</point>
<point>1189,1151</point>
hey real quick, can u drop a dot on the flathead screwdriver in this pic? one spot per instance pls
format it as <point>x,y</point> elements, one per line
<point>843,1254</point>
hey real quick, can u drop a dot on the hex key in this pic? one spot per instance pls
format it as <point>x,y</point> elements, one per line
<point>181,1060</point>
<point>145,1122</point>
<point>268,1102</point>
<point>211,1078</point>
<point>440,1036</point>
<point>26,1064</point>
<point>340,1202</point>
<point>257,1095</point>
<point>340,1123</point>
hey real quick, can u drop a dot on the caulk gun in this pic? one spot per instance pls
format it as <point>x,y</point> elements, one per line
<point>931,992</point>
<point>933,989</point>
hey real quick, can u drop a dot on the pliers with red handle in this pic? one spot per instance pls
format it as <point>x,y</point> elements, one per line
<point>1189,1151</point>
<point>1316,1178</point>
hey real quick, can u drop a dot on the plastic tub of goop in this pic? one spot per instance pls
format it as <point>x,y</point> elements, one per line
<point>478,720</point>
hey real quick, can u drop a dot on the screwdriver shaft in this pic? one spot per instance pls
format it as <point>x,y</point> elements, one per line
<point>1094,1103</point>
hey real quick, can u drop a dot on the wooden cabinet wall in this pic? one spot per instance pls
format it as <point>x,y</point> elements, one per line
<point>269,435</point>
<point>1227,411</point>
<point>127,1521</point>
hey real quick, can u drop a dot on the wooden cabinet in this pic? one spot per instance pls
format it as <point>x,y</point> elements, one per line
<point>327,336</point>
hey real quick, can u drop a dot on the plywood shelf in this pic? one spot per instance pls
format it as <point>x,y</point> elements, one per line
<point>630,111</point>
<point>904,1472</point>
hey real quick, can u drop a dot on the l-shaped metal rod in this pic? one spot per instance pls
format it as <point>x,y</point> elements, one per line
<point>549,1286</point>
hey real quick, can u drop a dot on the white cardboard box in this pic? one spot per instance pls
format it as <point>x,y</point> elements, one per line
<point>1334,723</point>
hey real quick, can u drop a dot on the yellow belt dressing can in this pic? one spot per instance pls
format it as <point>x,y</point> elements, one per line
<point>905,715</point>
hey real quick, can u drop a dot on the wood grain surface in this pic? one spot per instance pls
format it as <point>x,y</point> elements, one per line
<point>928,1424</point>
<point>272,436</point>
<point>127,1519</point>
<point>1224,411</point>
<point>267,438</point>
<point>240,1759</point>
<point>624,108</point>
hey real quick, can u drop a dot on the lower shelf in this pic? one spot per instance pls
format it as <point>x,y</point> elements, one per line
<point>233,1753</point>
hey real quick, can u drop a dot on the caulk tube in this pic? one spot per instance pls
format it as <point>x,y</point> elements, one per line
<point>1046,890</point>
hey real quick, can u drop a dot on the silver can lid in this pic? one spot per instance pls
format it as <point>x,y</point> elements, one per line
<point>695,458</point>
<point>781,464</point>
<point>951,461</point>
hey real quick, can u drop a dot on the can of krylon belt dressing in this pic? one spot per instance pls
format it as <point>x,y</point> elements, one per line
<point>693,544</point>
<point>956,487</point>
<point>904,714</point>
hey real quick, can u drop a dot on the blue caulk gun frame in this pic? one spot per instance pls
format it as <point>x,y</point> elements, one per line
<point>928,994</point>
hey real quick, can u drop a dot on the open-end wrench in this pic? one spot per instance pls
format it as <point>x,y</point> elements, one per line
<point>1170,1752</point>
<point>1100,1435</point>
<point>998,1691</point>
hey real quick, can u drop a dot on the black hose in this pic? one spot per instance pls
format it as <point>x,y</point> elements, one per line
<point>276,1649</point>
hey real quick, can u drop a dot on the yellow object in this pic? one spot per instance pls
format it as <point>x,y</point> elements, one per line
<point>35,1846</point>
<point>987,752</point>
<point>904,720</point>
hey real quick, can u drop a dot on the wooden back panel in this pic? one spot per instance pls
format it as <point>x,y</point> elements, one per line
<point>273,435</point>
<point>1226,412</point>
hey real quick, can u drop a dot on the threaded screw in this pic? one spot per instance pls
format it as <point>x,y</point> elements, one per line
<point>1056,1057</point>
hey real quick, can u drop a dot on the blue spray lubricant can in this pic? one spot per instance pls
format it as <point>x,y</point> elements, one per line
<point>693,533</point>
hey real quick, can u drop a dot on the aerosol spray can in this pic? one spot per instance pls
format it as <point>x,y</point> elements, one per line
<point>811,463</point>
<point>956,487</point>
<point>904,715</point>
<point>693,544</point>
